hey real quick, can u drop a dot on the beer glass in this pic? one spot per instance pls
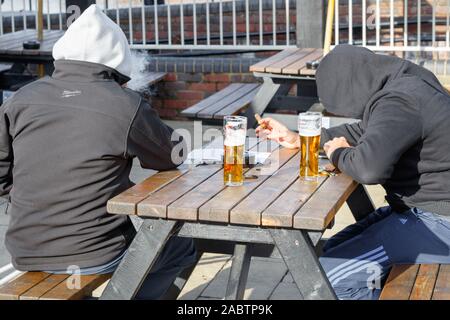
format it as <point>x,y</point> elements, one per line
<point>234,130</point>
<point>309,128</point>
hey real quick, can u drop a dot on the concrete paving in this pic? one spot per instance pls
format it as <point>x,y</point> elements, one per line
<point>268,278</point>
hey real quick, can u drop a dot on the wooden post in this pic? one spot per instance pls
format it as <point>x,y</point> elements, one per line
<point>40,32</point>
<point>39,23</point>
<point>329,27</point>
<point>310,23</point>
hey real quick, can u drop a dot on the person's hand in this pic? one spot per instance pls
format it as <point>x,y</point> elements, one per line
<point>273,130</point>
<point>334,144</point>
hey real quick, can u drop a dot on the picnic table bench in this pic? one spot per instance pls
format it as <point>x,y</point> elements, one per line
<point>417,282</point>
<point>273,214</point>
<point>46,286</point>
<point>229,101</point>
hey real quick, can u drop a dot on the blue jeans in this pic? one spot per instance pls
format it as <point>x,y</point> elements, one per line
<point>178,254</point>
<point>358,259</point>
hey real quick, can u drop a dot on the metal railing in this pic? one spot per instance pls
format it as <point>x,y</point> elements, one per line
<point>381,25</point>
<point>394,25</point>
<point>175,24</point>
<point>16,15</point>
<point>205,24</point>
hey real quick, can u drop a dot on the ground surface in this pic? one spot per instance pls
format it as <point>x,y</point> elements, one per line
<point>268,277</point>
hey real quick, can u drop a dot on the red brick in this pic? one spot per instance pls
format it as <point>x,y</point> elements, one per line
<point>203,86</point>
<point>190,95</point>
<point>217,77</point>
<point>179,104</point>
<point>167,113</point>
<point>222,85</point>
<point>170,77</point>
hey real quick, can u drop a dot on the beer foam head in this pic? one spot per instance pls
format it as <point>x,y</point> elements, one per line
<point>309,124</point>
<point>234,138</point>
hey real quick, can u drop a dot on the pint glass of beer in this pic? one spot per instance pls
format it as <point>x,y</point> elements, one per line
<point>234,130</point>
<point>309,128</point>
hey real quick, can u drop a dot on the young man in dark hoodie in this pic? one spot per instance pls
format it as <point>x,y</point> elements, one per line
<point>403,143</point>
<point>67,144</point>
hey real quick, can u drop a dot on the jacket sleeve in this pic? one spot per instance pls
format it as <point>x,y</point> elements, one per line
<point>6,155</point>
<point>352,132</point>
<point>155,144</point>
<point>394,126</point>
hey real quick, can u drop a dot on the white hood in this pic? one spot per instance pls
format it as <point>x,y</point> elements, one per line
<point>94,37</point>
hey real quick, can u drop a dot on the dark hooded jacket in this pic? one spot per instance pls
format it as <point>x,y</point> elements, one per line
<point>403,138</point>
<point>67,143</point>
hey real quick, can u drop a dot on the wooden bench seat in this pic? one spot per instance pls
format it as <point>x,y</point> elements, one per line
<point>46,286</point>
<point>417,282</point>
<point>229,101</point>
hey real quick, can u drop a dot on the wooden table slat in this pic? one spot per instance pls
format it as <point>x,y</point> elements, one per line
<point>281,212</point>
<point>262,65</point>
<point>299,55</point>
<point>209,111</point>
<point>211,100</point>
<point>299,66</point>
<point>442,287</point>
<point>14,289</point>
<point>321,208</point>
<point>186,207</point>
<point>88,283</point>
<point>237,105</point>
<point>126,202</point>
<point>43,287</point>
<point>250,209</point>
<point>425,280</point>
<point>155,205</point>
<point>400,282</point>
<point>218,209</point>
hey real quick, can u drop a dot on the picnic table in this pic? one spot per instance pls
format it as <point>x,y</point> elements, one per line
<point>274,214</point>
<point>11,46</point>
<point>279,73</point>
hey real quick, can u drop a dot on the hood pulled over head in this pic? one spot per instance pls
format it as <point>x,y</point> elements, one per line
<point>349,76</point>
<point>95,38</point>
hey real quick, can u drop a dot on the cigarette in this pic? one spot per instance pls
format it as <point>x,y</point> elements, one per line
<point>260,122</point>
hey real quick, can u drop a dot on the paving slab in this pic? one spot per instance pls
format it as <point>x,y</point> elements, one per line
<point>286,291</point>
<point>206,270</point>
<point>264,276</point>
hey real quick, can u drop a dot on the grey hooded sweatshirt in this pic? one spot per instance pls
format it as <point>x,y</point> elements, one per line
<point>403,138</point>
<point>67,143</point>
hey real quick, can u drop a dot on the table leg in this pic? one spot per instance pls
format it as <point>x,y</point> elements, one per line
<point>261,100</point>
<point>360,203</point>
<point>239,272</point>
<point>139,259</point>
<point>298,253</point>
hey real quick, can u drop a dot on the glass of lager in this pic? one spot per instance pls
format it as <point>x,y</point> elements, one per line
<point>309,128</point>
<point>234,131</point>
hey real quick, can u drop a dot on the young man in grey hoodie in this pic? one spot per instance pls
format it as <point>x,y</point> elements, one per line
<point>67,143</point>
<point>403,143</point>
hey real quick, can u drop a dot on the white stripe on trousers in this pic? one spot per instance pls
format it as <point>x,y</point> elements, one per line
<point>354,260</point>
<point>357,264</point>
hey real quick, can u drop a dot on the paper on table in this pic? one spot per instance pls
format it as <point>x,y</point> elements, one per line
<point>212,156</point>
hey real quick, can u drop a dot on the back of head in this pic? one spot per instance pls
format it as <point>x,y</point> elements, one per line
<point>95,38</point>
<point>349,76</point>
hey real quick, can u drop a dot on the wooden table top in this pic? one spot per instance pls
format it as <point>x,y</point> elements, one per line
<point>290,61</point>
<point>12,43</point>
<point>278,199</point>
